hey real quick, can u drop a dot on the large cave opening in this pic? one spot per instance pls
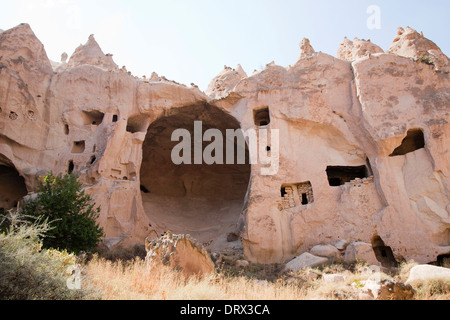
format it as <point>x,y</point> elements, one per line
<point>203,200</point>
<point>12,185</point>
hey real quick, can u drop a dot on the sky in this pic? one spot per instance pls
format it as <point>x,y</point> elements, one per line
<point>190,41</point>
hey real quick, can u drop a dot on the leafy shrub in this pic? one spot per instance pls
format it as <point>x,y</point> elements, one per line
<point>70,213</point>
<point>26,271</point>
<point>427,59</point>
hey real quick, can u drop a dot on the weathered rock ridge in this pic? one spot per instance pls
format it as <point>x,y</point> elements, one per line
<point>363,147</point>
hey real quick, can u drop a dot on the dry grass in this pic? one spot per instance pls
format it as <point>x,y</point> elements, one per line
<point>404,269</point>
<point>134,280</point>
<point>28,272</point>
<point>435,289</point>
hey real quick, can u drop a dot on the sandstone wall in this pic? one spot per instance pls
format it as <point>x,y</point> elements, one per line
<point>341,122</point>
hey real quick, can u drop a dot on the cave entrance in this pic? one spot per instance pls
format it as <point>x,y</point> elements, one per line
<point>12,185</point>
<point>413,141</point>
<point>383,253</point>
<point>443,260</point>
<point>202,200</point>
<point>339,175</point>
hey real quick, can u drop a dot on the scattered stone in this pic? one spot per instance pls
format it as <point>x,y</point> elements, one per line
<point>341,244</point>
<point>360,250</point>
<point>365,296</point>
<point>427,272</point>
<point>388,289</point>
<point>334,277</point>
<point>111,242</point>
<point>311,275</point>
<point>241,263</point>
<point>217,258</point>
<point>369,269</point>
<point>325,251</point>
<point>232,236</point>
<point>303,261</point>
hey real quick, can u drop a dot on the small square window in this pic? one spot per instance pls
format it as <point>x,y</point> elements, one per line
<point>261,116</point>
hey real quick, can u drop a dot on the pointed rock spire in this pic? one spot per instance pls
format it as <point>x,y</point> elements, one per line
<point>306,50</point>
<point>64,57</point>
<point>410,43</point>
<point>20,42</point>
<point>225,82</point>
<point>91,54</point>
<point>241,71</point>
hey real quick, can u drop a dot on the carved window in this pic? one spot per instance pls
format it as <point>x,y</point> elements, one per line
<point>296,194</point>
<point>261,116</point>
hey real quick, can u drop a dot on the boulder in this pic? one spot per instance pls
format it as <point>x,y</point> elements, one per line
<point>365,296</point>
<point>304,260</point>
<point>181,252</point>
<point>387,289</point>
<point>325,251</point>
<point>341,244</point>
<point>427,272</point>
<point>360,250</point>
<point>333,277</point>
<point>241,263</point>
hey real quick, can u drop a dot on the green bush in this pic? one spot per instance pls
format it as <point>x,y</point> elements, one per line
<point>69,211</point>
<point>427,59</point>
<point>26,271</point>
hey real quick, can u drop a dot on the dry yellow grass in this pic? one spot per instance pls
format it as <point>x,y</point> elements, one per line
<point>135,280</point>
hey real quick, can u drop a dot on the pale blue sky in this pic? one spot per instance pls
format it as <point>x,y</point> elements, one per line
<point>191,40</point>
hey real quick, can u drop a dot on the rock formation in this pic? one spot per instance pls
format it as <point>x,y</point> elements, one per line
<point>306,50</point>
<point>409,43</point>
<point>387,289</point>
<point>180,252</point>
<point>356,49</point>
<point>427,272</point>
<point>363,147</point>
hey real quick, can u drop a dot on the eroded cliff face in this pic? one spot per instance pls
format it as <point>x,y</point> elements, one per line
<point>363,146</point>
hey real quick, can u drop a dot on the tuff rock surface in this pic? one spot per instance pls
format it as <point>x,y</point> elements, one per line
<point>363,147</point>
<point>387,289</point>
<point>180,252</point>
